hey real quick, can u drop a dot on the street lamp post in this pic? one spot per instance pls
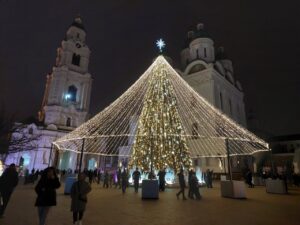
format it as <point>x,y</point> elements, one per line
<point>228,159</point>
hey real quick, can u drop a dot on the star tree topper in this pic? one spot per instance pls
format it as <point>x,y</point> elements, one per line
<point>160,44</point>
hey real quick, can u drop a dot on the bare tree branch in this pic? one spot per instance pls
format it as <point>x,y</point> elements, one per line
<point>13,136</point>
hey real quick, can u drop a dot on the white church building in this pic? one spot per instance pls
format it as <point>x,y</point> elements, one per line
<point>65,105</point>
<point>210,73</point>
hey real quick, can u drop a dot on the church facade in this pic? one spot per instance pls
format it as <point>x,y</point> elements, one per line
<point>65,105</point>
<point>210,73</point>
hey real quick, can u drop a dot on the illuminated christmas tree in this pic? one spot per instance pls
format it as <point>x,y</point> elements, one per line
<point>161,119</point>
<point>160,139</point>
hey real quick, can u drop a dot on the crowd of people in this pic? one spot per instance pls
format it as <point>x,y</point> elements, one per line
<point>193,192</point>
<point>49,180</point>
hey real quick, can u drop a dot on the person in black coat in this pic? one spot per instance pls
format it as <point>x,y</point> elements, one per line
<point>191,171</point>
<point>99,174</point>
<point>136,179</point>
<point>209,178</point>
<point>46,193</point>
<point>249,178</point>
<point>124,178</point>
<point>181,184</point>
<point>79,192</point>
<point>162,182</point>
<point>8,182</point>
<point>194,187</point>
<point>90,175</point>
<point>106,179</point>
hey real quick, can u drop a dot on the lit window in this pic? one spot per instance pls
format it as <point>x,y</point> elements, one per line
<point>71,94</point>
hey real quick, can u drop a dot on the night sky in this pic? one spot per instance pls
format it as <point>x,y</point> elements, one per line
<point>262,38</point>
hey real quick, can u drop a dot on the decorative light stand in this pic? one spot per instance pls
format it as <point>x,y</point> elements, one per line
<point>150,188</point>
<point>232,188</point>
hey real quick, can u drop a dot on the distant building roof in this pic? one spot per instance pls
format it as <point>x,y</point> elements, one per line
<point>200,32</point>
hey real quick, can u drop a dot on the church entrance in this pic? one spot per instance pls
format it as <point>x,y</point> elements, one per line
<point>25,160</point>
<point>92,164</point>
<point>64,161</point>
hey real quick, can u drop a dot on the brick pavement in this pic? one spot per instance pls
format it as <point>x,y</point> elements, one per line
<point>110,207</point>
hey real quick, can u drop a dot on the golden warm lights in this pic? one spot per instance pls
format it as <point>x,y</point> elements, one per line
<point>155,143</point>
<point>161,119</point>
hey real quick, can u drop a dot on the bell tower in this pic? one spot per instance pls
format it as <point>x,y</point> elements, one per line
<point>68,88</point>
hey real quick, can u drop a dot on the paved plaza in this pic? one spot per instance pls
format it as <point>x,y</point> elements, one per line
<point>111,207</point>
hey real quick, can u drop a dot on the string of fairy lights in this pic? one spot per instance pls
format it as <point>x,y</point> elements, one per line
<point>160,114</point>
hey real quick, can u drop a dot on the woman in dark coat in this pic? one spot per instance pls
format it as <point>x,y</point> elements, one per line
<point>8,182</point>
<point>46,193</point>
<point>194,187</point>
<point>79,192</point>
<point>124,177</point>
<point>181,184</point>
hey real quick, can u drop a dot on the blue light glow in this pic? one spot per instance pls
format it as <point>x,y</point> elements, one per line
<point>170,177</point>
<point>68,96</point>
<point>160,44</point>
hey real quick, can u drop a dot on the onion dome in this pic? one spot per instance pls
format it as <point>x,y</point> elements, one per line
<point>78,23</point>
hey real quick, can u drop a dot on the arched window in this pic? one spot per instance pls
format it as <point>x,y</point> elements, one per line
<point>30,131</point>
<point>196,68</point>
<point>205,55</point>
<point>76,60</point>
<point>68,123</point>
<point>71,95</point>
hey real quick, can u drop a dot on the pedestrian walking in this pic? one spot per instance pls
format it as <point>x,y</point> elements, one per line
<point>99,176</point>
<point>119,178</point>
<point>79,192</point>
<point>161,177</point>
<point>46,193</point>
<point>111,179</point>
<point>124,178</point>
<point>181,184</point>
<point>191,171</point>
<point>209,178</point>
<point>194,182</point>
<point>8,182</point>
<point>249,179</point>
<point>90,175</point>
<point>106,178</point>
<point>95,175</point>
<point>136,179</point>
